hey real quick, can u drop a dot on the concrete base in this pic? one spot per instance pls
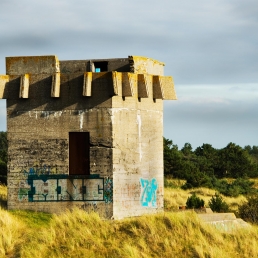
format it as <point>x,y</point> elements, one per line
<point>224,221</point>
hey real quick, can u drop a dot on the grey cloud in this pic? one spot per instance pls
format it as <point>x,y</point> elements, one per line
<point>200,42</point>
<point>245,10</point>
<point>214,123</point>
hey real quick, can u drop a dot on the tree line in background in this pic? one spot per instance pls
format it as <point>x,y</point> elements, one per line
<point>208,167</point>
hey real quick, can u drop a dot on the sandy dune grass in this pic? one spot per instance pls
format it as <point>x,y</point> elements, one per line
<point>78,234</point>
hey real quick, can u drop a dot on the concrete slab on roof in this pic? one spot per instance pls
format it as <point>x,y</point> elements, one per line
<point>146,65</point>
<point>32,65</point>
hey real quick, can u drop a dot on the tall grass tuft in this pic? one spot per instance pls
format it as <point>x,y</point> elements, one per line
<point>3,196</point>
<point>11,233</point>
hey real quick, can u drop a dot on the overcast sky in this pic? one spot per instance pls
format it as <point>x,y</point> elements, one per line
<point>209,47</point>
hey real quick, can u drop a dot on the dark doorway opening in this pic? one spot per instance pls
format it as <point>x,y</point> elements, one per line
<point>101,66</point>
<point>79,153</point>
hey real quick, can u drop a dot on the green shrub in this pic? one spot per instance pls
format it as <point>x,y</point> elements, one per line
<point>194,202</point>
<point>241,185</point>
<point>249,211</point>
<point>217,204</point>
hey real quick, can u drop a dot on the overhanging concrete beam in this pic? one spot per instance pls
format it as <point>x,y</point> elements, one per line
<point>4,79</point>
<point>117,83</point>
<point>157,88</point>
<point>127,85</point>
<point>133,79</point>
<point>87,84</point>
<point>143,87</point>
<point>24,86</point>
<point>55,89</point>
<point>169,92</point>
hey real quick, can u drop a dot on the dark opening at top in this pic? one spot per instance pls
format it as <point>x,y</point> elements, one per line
<point>101,66</point>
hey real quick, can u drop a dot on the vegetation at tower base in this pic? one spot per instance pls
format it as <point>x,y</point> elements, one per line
<point>208,167</point>
<point>76,233</point>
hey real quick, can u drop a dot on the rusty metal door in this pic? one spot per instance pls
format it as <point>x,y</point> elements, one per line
<point>79,153</point>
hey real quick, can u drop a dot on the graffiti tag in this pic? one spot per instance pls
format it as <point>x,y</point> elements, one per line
<point>44,170</point>
<point>149,192</point>
<point>108,190</point>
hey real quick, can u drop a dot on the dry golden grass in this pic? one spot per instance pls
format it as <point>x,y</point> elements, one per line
<point>78,234</point>
<point>175,197</point>
<point>11,231</point>
<point>3,190</point>
<point>3,196</point>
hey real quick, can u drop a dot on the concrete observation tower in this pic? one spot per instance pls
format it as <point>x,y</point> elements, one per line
<point>85,133</point>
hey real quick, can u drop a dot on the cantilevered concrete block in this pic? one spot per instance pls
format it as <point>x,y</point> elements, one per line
<point>143,86</point>
<point>55,89</point>
<point>133,81</point>
<point>3,81</point>
<point>87,83</point>
<point>169,92</point>
<point>32,65</point>
<point>117,83</point>
<point>24,86</point>
<point>157,88</point>
<point>127,87</point>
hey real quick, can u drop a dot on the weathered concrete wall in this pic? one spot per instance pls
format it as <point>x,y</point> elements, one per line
<point>74,66</point>
<point>32,65</point>
<point>137,155</point>
<point>38,130</point>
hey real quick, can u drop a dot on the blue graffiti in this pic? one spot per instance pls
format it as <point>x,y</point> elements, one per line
<point>64,187</point>
<point>44,170</point>
<point>149,192</point>
<point>108,190</point>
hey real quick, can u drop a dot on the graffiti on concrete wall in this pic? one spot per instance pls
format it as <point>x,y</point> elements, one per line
<point>108,190</point>
<point>47,188</point>
<point>40,170</point>
<point>149,192</point>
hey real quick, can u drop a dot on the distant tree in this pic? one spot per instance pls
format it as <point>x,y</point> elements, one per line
<point>172,158</point>
<point>187,149</point>
<point>206,166</point>
<point>251,150</point>
<point>168,162</point>
<point>253,154</point>
<point>234,162</point>
<point>206,150</point>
